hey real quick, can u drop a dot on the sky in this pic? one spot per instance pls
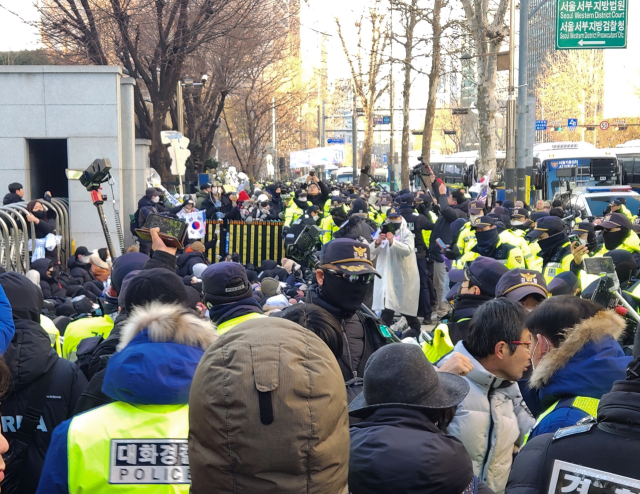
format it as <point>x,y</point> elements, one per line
<point>16,34</point>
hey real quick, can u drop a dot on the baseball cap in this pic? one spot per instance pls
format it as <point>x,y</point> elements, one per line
<point>538,215</point>
<point>151,192</point>
<point>82,251</point>
<point>484,272</point>
<point>619,201</point>
<point>483,222</point>
<point>476,207</point>
<point>636,225</point>
<point>516,284</point>
<point>359,206</point>
<point>582,228</point>
<point>520,214</point>
<point>405,199</point>
<point>349,256</point>
<point>615,220</point>
<point>500,210</point>
<point>393,213</point>
<point>565,283</point>
<point>549,224</point>
<point>205,186</point>
<point>225,282</point>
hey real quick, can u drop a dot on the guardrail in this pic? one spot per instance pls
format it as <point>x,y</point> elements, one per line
<point>254,242</point>
<point>16,232</point>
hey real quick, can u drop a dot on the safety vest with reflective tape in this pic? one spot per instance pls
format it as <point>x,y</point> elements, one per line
<point>630,244</point>
<point>426,234</point>
<point>586,404</point>
<point>330,227</point>
<point>226,326</point>
<point>505,253</point>
<point>84,328</point>
<point>122,448</point>
<point>559,263</point>
<point>440,345</point>
<point>466,239</point>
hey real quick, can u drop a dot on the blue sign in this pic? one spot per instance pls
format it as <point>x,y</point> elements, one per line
<point>335,141</point>
<point>384,158</point>
<point>572,163</point>
<point>572,124</point>
<point>541,125</point>
<point>386,121</point>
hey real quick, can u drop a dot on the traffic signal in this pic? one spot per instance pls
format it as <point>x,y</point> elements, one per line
<point>621,127</point>
<point>591,128</point>
<point>555,129</point>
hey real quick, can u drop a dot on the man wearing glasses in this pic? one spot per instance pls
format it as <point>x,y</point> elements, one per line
<point>345,274</point>
<point>492,421</point>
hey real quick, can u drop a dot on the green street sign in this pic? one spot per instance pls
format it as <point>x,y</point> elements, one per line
<point>591,24</point>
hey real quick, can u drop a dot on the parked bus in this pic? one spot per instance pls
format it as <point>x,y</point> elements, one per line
<point>628,155</point>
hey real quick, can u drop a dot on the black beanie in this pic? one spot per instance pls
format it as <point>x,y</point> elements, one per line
<point>123,265</point>
<point>152,285</point>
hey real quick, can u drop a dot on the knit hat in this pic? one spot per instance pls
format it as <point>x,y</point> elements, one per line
<point>225,282</point>
<point>156,284</point>
<point>123,287</point>
<point>198,269</point>
<point>123,265</point>
<point>197,246</point>
<point>269,287</point>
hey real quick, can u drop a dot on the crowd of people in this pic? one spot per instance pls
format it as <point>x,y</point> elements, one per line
<point>432,344</point>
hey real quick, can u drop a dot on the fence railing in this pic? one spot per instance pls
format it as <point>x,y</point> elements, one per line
<point>16,232</point>
<point>254,242</point>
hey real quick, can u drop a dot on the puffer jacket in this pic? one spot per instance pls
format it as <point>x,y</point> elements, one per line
<point>51,287</point>
<point>587,363</point>
<point>186,262</point>
<point>281,423</point>
<point>79,271</point>
<point>491,422</point>
<point>159,352</point>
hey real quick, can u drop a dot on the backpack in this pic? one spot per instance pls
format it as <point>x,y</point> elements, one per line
<point>133,222</point>
<point>281,423</point>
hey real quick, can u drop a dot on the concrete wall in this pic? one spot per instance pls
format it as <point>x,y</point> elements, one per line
<point>91,107</point>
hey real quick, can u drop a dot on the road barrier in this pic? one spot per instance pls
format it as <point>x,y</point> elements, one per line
<point>16,232</point>
<point>254,242</point>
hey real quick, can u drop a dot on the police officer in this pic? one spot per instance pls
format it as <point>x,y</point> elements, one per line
<point>555,248</point>
<point>332,222</point>
<point>617,233</point>
<point>418,224</point>
<point>489,244</point>
<point>297,207</point>
<point>619,205</point>
<point>138,442</point>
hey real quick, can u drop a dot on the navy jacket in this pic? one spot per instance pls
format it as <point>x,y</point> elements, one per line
<point>400,450</point>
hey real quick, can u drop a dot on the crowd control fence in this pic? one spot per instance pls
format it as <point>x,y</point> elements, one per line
<point>16,234</point>
<point>254,242</point>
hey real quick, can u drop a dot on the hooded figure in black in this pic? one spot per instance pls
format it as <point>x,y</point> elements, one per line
<point>275,205</point>
<point>29,357</point>
<point>51,288</point>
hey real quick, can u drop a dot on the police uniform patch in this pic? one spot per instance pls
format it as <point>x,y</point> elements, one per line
<point>359,252</point>
<point>354,269</point>
<point>569,478</point>
<point>519,259</point>
<point>527,277</point>
<point>149,461</point>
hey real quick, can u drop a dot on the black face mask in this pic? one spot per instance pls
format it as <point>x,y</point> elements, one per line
<point>302,204</point>
<point>487,240</point>
<point>39,214</point>
<point>548,245</point>
<point>348,297</point>
<point>612,240</point>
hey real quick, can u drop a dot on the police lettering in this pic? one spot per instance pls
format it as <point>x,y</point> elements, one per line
<point>149,461</point>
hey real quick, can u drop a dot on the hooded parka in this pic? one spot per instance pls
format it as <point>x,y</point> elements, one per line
<point>399,287</point>
<point>29,357</point>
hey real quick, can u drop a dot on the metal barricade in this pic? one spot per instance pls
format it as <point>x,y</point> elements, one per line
<point>16,233</point>
<point>253,242</point>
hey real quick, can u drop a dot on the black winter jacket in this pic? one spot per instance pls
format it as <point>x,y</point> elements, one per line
<point>400,450</point>
<point>29,356</point>
<point>51,288</point>
<point>611,445</point>
<point>361,334</point>
<point>79,271</point>
<point>442,228</point>
<point>187,261</point>
<point>11,198</point>
<point>355,228</point>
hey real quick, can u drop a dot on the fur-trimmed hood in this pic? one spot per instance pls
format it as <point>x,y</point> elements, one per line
<point>160,348</point>
<point>586,363</point>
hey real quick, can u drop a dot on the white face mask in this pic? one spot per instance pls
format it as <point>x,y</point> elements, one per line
<point>583,241</point>
<point>155,199</point>
<point>384,209</point>
<point>473,218</point>
<point>517,222</point>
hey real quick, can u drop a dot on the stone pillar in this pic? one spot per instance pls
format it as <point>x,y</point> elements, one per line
<point>128,186</point>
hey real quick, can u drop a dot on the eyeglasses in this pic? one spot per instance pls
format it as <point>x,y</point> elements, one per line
<point>527,343</point>
<point>364,279</point>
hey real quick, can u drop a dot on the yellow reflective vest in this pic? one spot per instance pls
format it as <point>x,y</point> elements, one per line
<point>123,448</point>
<point>328,224</point>
<point>426,234</point>
<point>506,253</point>
<point>84,328</point>
<point>440,345</point>
<point>466,239</point>
<point>231,323</point>
<point>586,404</point>
<point>630,244</point>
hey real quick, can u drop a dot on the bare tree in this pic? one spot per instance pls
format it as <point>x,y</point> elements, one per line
<point>366,81</point>
<point>151,39</point>
<point>485,20</point>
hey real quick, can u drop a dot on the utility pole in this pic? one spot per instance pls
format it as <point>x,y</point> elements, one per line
<point>322,125</point>
<point>523,150</point>
<point>510,169</point>
<point>180,112</point>
<point>354,136</point>
<point>391,161</point>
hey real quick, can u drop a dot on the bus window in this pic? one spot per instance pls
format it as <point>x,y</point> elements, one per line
<point>598,204</point>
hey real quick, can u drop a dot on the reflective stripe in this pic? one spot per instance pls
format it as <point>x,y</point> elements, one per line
<point>586,404</point>
<point>226,326</point>
<point>122,448</point>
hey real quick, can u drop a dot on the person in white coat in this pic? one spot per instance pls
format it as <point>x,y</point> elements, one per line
<point>493,420</point>
<point>398,289</point>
